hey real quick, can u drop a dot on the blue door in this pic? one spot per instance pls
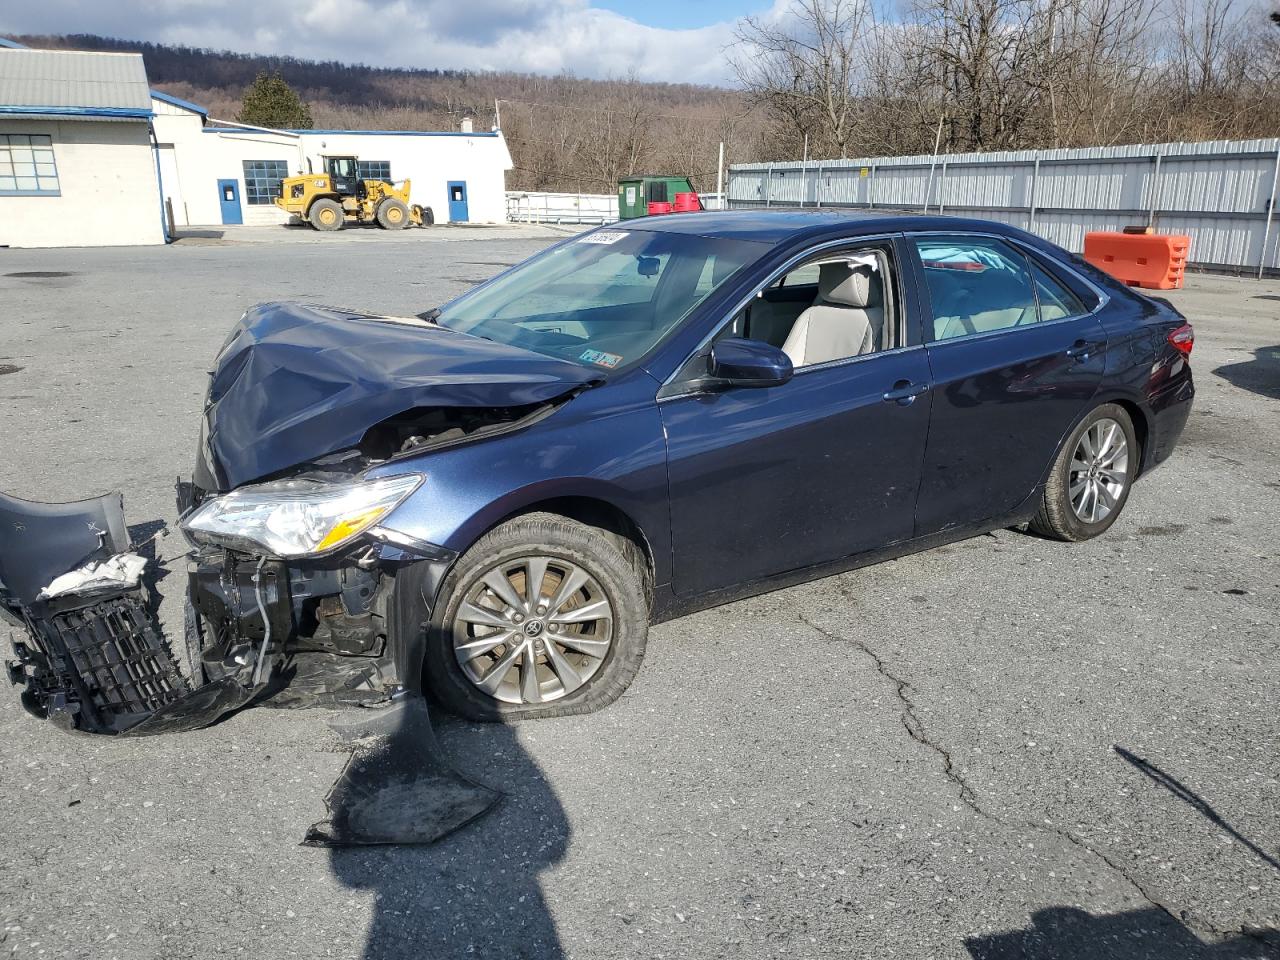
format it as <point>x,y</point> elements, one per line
<point>458,201</point>
<point>229,197</point>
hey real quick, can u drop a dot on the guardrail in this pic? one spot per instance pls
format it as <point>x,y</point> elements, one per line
<point>586,208</point>
<point>571,208</point>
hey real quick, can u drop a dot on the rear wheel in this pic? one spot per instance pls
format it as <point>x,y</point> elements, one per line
<point>543,617</point>
<point>392,214</point>
<point>1091,478</point>
<point>327,215</point>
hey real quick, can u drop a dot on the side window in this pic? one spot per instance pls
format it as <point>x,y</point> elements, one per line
<point>838,305</point>
<point>805,276</point>
<point>1056,301</point>
<point>976,285</point>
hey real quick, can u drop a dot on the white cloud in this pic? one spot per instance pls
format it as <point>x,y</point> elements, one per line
<point>543,36</point>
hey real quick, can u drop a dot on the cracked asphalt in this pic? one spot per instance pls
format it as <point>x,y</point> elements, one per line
<point>1004,748</point>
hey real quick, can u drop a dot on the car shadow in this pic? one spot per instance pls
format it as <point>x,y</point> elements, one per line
<point>476,892</point>
<point>1261,375</point>
<point>1069,933</point>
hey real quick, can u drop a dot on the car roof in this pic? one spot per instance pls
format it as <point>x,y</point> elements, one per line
<point>776,226</point>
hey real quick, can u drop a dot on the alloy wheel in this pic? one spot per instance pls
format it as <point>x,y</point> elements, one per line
<point>532,630</point>
<point>1099,471</point>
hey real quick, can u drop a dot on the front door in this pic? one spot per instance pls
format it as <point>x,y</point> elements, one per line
<point>767,480</point>
<point>1016,358</point>
<point>458,201</point>
<point>229,198</point>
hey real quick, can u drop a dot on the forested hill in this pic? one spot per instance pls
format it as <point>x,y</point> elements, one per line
<point>565,132</point>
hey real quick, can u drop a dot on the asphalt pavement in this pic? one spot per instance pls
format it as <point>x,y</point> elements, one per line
<point>1005,748</point>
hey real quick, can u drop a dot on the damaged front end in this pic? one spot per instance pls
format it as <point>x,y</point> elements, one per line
<point>259,630</point>
<point>300,619</point>
<point>300,591</point>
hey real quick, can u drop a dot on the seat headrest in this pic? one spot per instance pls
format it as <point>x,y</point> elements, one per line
<point>849,286</point>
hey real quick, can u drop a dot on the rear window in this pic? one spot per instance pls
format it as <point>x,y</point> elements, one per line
<point>976,285</point>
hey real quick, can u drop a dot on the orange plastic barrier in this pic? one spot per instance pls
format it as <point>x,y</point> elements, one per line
<point>1153,261</point>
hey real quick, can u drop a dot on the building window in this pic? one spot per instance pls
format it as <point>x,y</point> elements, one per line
<point>374,170</point>
<point>27,168</point>
<point>262,180</point>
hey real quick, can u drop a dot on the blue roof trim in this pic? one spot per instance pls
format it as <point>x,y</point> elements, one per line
<point>12,44</point>
<point>400,133</point>
<point>131,113</point>
<point>179,102</point>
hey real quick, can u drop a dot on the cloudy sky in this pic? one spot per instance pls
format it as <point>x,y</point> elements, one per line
<point>676,40</point>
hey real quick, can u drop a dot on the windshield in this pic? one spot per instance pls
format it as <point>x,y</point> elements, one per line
<point>605,299</point>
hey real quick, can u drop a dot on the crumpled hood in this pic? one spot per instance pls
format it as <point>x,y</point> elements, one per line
<point>296,382</point>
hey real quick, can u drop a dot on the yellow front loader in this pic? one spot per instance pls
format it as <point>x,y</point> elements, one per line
<point>330,200</point>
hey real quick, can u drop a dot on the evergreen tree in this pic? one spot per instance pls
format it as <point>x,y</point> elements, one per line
<point>270,102</point>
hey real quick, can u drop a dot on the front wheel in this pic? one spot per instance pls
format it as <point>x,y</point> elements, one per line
<point>543,617</point>
<point>392,214</point>
<point>1091,478</point>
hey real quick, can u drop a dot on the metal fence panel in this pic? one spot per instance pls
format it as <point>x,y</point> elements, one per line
<point>1221,193</point>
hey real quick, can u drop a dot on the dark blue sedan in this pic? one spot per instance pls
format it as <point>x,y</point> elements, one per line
<point>494,500</point>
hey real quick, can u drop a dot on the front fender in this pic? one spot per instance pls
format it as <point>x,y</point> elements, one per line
<point>603,446</point>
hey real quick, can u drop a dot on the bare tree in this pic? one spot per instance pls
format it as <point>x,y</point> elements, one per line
<point>807,68</point>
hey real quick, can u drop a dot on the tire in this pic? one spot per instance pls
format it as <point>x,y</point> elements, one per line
<point>392,214</point>
<point>428,217</point>
<point>615,572</point>
<point>1064,517</point>
<point>327,215</point>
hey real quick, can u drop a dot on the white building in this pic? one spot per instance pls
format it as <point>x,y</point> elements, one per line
<point>76,164</point>
<point>90,156</point>
<point>215,172</point>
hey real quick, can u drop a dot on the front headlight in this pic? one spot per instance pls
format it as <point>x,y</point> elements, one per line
<point>298,518</point>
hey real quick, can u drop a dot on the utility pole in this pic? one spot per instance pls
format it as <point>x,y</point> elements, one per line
<point>724,201</point>
<point>804,169</point>
<point>937,143</point>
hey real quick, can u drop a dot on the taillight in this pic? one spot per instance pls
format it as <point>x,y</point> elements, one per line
<point>1183,339</point>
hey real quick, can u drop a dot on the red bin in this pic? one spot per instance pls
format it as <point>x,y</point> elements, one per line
<point>687,202</point>
<point>656,208</point>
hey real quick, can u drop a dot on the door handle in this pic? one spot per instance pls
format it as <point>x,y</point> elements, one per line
<point>1081,350</point>
<point>904,392</point>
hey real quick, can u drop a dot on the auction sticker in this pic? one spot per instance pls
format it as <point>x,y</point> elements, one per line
<point>603,236</point>
<point>600,358</point>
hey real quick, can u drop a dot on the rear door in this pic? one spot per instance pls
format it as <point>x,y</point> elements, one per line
<point>1016,358</point>
<point>768,480</point>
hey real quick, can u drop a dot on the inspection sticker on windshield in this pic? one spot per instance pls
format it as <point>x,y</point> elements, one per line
<point>604,236</point>
<point>600,358</point>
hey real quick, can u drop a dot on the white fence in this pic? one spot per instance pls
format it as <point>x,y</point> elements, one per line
<point>1222,194</point>
<point>586,208</point>
<point>562,207</point>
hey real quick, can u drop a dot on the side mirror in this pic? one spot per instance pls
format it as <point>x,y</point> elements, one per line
<point>748,363</point>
